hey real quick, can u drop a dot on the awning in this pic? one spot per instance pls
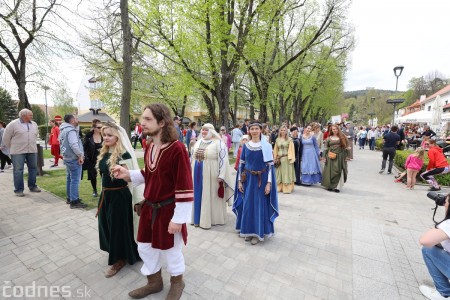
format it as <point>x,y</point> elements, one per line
<point>420,116</point>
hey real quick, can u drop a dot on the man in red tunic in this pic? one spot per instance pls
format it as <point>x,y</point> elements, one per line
<point>168,202</point>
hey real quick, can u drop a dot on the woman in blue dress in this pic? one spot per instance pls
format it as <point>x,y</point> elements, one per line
<point>256,200</point>
<point>310,154</point>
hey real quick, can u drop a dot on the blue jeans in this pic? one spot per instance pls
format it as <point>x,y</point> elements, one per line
<point>18,161</point>
<point>73,178</point>
<point>372,143</point>
<point>437,261</point>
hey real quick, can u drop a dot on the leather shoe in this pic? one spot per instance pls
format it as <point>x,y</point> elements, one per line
<point>115,268</point>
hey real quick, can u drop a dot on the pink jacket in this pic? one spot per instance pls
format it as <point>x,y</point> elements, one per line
<point>413,163</point>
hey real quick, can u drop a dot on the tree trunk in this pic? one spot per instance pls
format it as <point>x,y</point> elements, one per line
<point>22,81</point>
<point>210,105</point>
<point>127,67</point>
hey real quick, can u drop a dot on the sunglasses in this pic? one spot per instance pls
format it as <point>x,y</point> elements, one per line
<point>100,127</point>
<point>222,129</point>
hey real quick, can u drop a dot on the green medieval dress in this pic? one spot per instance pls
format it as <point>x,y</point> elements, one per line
<point>115,216</point>
<point>336,168</point>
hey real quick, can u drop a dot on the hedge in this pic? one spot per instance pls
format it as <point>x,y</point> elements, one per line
<point>400,159</point>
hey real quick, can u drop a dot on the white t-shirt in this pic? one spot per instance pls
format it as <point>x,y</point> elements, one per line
<point>445,227</point>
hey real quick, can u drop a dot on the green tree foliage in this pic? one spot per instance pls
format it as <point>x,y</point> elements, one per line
<point>8,110</point>
<point>63,102</point>
<point>38,114</point>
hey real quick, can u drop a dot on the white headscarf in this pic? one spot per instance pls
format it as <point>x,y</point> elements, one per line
<point>211,131</point>
<point>137,192</point>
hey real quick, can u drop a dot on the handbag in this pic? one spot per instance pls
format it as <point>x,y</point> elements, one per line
<point>332,155</point>
<point>277,163</point>
<point>221,190</point>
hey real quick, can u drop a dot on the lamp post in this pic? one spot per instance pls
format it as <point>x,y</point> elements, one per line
<point>397,72</point>
<point>45,87</point>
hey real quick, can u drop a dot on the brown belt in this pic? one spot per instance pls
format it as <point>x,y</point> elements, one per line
<point>103,196</point>
<point>258,173</point>
<point>157,205</point>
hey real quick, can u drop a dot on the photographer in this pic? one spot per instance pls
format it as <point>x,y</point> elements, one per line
<point>436,254</point>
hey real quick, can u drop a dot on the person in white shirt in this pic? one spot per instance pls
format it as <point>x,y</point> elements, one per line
<point>436,254</point>
<point>371,135</point>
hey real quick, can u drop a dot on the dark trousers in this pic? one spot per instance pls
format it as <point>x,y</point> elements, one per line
<point>135,142</point>
<point>372,143</point>
<point>4,160</point>
<point>388,152</point>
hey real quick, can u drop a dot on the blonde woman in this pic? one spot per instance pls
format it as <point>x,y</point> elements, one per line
<point>115,207</point>
<point>284,154</point>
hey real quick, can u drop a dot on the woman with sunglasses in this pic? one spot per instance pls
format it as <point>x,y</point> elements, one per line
<point>436,254</point>
<point>93,142</point>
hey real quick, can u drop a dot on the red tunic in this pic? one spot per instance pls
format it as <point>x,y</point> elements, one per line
<point>169,176</point>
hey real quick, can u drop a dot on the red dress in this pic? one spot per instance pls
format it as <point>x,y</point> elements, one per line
<point>168,176</point>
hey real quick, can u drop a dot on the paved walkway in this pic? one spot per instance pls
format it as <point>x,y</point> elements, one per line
<point>358,244</point>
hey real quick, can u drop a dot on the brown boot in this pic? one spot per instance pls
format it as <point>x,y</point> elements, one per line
<point>154,285</point>
<point>176,287</point>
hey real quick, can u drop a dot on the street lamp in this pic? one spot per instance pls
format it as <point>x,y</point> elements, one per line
<point>45,87</point>
<point>397,72</point>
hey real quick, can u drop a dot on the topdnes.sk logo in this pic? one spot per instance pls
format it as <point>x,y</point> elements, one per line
<point>9,290</point>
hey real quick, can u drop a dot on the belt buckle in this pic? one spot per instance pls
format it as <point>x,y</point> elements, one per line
<point>157,205</point>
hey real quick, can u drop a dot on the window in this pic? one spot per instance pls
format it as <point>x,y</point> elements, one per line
<point>96,104</point>
<point>429,108</point>
<point>446,102</point>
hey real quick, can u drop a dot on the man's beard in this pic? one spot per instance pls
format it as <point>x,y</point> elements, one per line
<point>151,133</point>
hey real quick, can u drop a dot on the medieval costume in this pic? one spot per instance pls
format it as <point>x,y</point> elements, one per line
<point>91,151</point>
<point>297,164</point>
<point>209,166</point>
<point>310,163</point>
<point>168,198</point>
<point>255,211</point>
<point>335,170</point>
<point>115,215</point>
<point>285,174</point>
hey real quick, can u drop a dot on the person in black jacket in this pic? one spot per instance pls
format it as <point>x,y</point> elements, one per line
<point>93,142</point>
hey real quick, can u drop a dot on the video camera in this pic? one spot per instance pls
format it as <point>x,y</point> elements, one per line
<point>439,200</point>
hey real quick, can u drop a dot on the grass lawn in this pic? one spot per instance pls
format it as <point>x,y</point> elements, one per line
<point>55,182</point>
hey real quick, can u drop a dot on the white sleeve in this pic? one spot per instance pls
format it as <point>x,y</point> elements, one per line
<point>445,227</point>
<point>183,212</point>
<point>269,176</point>
<point>136,177</point>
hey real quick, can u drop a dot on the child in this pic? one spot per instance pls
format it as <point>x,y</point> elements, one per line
<point>244,139</point>
<point>399,177</point>
<point>413,165</point>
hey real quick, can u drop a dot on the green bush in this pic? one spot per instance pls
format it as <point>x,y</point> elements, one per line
<point>400,159</point>
<point>379,144</point>
<point>41,129</point>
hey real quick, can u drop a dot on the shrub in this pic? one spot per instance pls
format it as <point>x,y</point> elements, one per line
<point>41,129</point>
<point>400,159</point>
<point>379,144</point>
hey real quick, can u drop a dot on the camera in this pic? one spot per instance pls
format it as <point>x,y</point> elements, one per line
<point>438,198</point>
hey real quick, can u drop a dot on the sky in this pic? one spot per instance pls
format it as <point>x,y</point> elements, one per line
<point>390,33</point>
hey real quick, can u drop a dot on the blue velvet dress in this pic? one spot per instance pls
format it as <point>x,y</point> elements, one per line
<point>255,211</point>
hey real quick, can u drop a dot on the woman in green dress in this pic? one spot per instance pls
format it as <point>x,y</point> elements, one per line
<point>335,154</point>
<point>115,207</point>
<point>284,153</point>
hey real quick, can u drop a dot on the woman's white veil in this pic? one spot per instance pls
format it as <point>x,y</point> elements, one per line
<point>137,192</point>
